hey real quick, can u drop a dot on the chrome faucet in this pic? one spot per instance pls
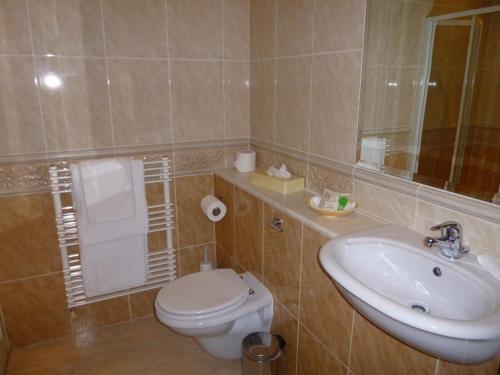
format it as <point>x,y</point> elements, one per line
<point>450,242</point>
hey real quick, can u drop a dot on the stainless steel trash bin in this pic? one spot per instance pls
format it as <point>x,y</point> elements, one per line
<point>260,354</point>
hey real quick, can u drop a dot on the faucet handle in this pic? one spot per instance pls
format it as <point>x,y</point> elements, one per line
<point>448,229</point>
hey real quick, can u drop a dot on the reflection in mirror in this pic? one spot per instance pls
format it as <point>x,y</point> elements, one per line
<point>430,105</point>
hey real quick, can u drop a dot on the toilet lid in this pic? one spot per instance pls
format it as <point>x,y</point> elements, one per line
<point>203,292</point>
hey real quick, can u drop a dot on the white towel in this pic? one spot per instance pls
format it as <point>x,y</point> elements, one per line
<point>490,264</point>
<point>113,252</point>
<point>107,189</point>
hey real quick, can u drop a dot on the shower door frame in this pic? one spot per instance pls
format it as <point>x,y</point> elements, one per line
<point>468,83</point>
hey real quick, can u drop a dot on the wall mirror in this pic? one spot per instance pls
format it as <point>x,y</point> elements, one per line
<point>430,99</point>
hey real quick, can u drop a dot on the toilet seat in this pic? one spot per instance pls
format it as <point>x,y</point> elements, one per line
<point>203,295</point>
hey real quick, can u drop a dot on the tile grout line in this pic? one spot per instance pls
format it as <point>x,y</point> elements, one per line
<point>309,124</point>
<point>300,295</point>
<point>222,2</point>
<point>170,98</point>
<point>108,79</point>
<point>31,277</point>
<point>275,59</point>
<point>350,340</point>
<point>37,82</point>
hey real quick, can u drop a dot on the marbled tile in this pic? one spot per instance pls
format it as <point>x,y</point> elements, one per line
<point>28,237</point>
<point>293,102</point>
<point>338,25</point>
<point>262,29</point>
<point>262,99</point>
<point>374,352</point>
<point>140,101</point>
<point>14,30</point>
<point>198,159</point>
<point>70,28</point>
<point>236,18</point>
<point>190,258</point>
<point>295,166</point>
<point>335,101</point>
<point>249,220</point>
<point>319,177</point>
<point>385,204</point>
<point>88,318</point>
<point>237,99</point>
<point>21,127</point>
<point>323,310</point>
<point>224,260</point>
<point>281,259</point>
<point>295,27</point>
<point>135,29</point>
<point>76,113</point>
<point>491,367</point>
<point>142,303</point>
<point>197,100</point>
<point>480,235</point>
<point>265,158</point>
<point>315,358</point>
<point>193,227</point>
<point>224,229</point>
<point>285,325</point>
<point>31,316</point>
<point>195,28</point>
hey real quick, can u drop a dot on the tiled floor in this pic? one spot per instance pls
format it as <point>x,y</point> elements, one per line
<point>143,347</point>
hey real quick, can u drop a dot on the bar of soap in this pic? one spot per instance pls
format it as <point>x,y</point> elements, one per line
<point>279,185</point>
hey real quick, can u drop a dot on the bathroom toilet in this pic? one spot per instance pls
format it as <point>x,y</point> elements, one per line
<point>218,308</point>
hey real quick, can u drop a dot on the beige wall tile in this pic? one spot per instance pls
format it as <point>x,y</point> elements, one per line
<point>285,325</point>
<point>295,27</point>
<point>88,318</point>
<point>14,28</point>
<point>135,28</point>
<point>314,358</point>
<point>322,309</point>
<point>139,101</point>
<point>31,318</point>
<point>76,114</point>
<point>192,160</point>
<point>28,237</point>
<point>339,25</point>
<point>71,28</point>
<point>236,29</point>
<point>293,102</point>
<point>237,99</point>
<point>374,352</point>
<point>372,98</point>
<point>224,229</point>
<point>193,227</point>
<point>262,99</point>
<point>197,100</point>
<point>399,99</point>
<point>318,178</point>
<point>480,235</point>
<point>383,203</point>
<point>142,303</point>
<point>335,103</point>
<point>249,218</point>
<point>191,257</point>
<point>281,259</point>
<point>262,29</point>
<point>489,368</point>
<point>195,28</point>
<point>20,122</point>
<point>377,27</point>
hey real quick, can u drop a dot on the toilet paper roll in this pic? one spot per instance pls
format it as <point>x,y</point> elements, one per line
<point>213,208</point>
<point>245,161</point>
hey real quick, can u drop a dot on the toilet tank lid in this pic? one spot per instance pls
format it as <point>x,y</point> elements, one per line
<point>203,292</point>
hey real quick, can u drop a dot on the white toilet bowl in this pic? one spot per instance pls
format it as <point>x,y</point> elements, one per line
<point>218,308</point>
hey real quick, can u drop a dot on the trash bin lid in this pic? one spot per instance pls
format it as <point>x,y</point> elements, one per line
<point>261,346</point>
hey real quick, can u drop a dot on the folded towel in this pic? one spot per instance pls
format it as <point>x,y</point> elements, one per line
<point>101,231</point>
<point>107,189</point>
<point>113,251</point>
<point>115,265</point>
<point>490,264</point>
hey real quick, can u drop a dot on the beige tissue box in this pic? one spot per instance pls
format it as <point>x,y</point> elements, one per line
<point>279,185</point>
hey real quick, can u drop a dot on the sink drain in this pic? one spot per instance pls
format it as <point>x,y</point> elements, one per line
<point>419,307</point>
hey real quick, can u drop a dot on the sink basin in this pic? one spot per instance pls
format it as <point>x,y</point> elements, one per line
<point>450,310</point>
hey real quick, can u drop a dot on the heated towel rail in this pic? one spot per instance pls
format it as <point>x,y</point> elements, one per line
<point>161,263</point>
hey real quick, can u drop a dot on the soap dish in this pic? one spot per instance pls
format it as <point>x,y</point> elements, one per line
<point>351,206</point>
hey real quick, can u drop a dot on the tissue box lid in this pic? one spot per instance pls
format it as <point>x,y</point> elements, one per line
<point>279,185</point>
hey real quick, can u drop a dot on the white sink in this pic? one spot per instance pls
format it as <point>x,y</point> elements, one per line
<point>385,271</point>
